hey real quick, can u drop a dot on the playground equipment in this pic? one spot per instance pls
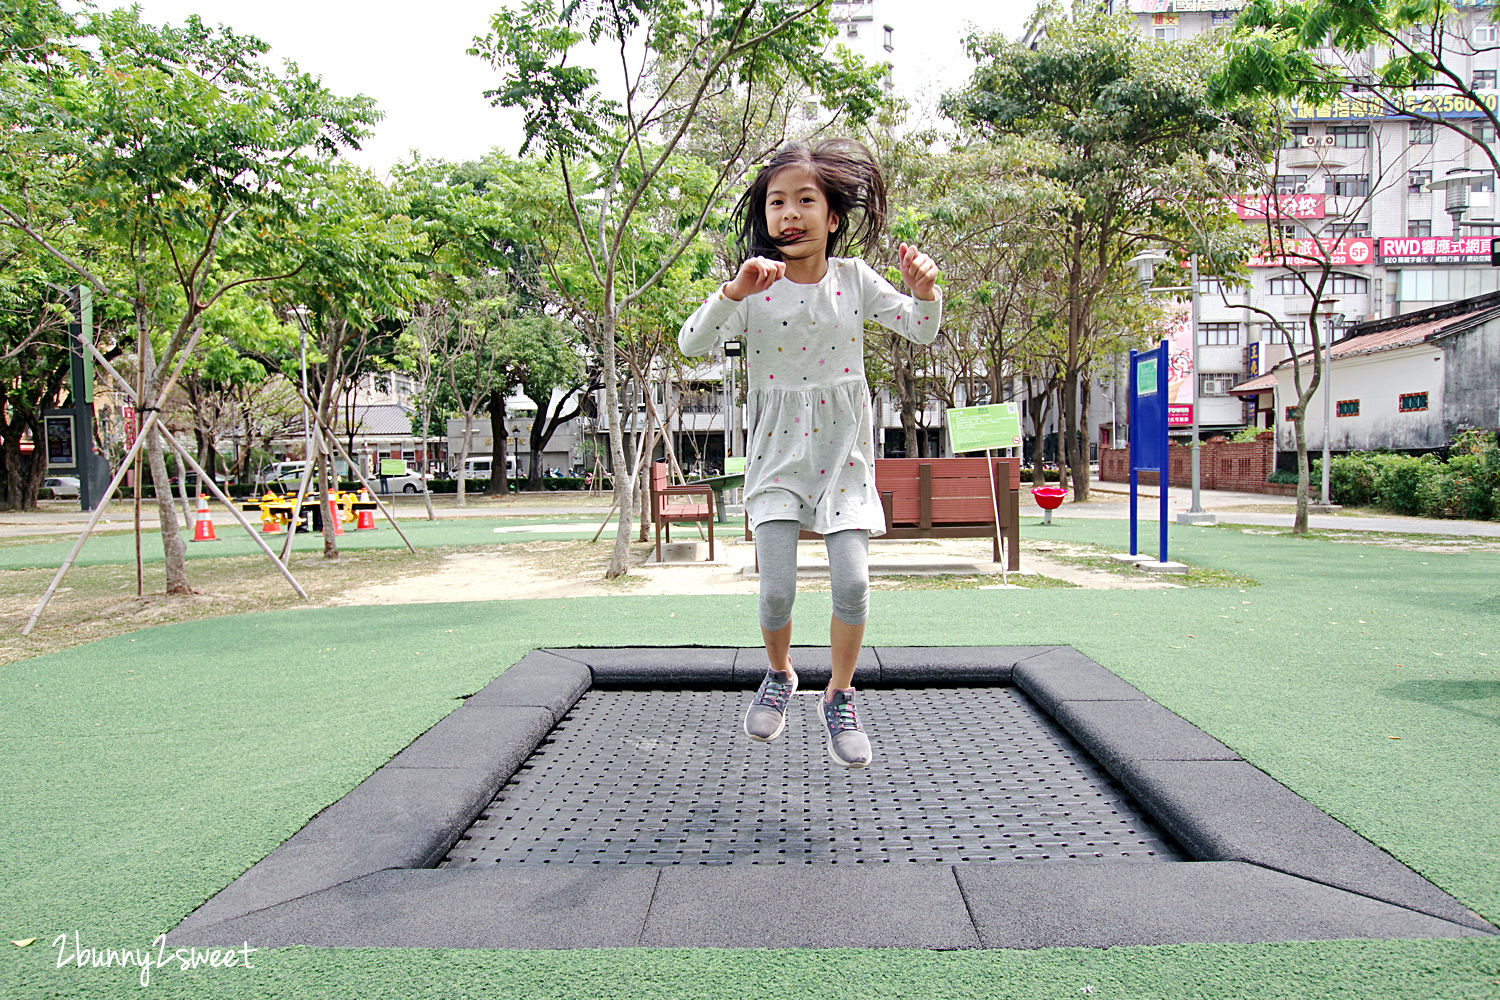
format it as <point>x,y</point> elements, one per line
<point>203,524</point>
<point>366,514</point>
<point>1049,498</point>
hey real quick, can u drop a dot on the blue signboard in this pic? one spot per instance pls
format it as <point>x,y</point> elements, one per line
<point>1148,432</point>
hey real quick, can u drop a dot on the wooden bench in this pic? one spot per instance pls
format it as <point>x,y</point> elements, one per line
<point>665,513</point>
<point>950,498</point>
<point>947,498</point>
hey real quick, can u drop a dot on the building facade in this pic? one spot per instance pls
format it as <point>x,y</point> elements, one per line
<point>1352,185</point>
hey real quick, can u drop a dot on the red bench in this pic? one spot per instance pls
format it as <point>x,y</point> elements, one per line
<point>948,498</point>
<point>665,512</point>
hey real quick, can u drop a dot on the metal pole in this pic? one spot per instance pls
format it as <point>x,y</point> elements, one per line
<point>1327,405</point>
<point>1194,514</point>
<point>306,427</point>
<point>1193,332</point>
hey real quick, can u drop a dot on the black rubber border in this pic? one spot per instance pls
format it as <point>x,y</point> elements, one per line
<point>1268,865</point>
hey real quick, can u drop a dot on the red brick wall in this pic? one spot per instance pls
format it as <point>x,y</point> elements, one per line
<point>1222,465</point>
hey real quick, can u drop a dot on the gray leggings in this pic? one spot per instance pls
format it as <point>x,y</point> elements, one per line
<point>848,568</point>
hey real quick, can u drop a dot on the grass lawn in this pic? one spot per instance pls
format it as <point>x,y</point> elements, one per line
<point>144,772</point>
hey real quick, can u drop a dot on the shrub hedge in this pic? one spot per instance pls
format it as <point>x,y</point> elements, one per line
<point>1467,485</point>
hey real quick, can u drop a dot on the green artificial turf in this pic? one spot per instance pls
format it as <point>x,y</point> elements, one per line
<point>117,548</point>
<point>143,773</point>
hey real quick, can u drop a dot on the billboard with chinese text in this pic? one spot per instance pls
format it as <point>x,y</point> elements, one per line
<point>1348,107</point>
<point>1280,206</point>
<point>1301,252</point>
<point>1434,249</point>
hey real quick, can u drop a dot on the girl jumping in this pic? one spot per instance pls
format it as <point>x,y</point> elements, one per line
<point>801,311</point>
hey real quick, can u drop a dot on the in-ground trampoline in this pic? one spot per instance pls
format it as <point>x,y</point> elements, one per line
<point>1019,797</point>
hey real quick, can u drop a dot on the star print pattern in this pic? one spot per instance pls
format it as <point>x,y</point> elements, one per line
<point>824,477</point>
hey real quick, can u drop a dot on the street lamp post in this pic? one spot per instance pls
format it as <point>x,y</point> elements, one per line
<point>1327,387</point>
<point>1145,264</point>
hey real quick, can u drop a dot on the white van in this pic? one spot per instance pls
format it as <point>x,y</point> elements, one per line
<point>479,468</point>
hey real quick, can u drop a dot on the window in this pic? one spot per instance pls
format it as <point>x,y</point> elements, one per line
<point>1411,402</point>
<point>1165,34</point>
<point>1216,383</point>
<point>1348,284</point>
<point>1484,79</point>
<point>1416,180</point>
<point>1347,407</point>
<point>1288,285</point>
<point>1349,185</point>
<point>1210,286</point>
<point>1350,136</point>
<point>1293,137</point>
<point>1296,328</point>
<point>1290,231</point>
<point>1291,183</point>
<point>1417,285</point>
<point>890,36</point>
<point>1481,230</point>
<point>1419,227</point>
<point>1420,134</point>
<point>1484,34</point>
<point>1353,230</point>
<point>1218,333</point>
<point>1483,131</point>
<point>852,30</point>
<point>1485,183</point>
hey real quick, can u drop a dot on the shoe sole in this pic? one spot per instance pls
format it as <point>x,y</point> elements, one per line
<point>828,741</point>
<point>779,726</point>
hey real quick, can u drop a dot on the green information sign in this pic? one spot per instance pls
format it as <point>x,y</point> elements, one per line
<point>978,428</point>
<point>1145,378</point>
<point>392,467</point>
<point>734,465</point>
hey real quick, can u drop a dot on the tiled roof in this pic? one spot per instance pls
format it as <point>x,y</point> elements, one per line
<point>1389,335</point>
<point>387,419</point>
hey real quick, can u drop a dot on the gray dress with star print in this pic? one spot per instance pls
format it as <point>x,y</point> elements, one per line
<point>809,438</point>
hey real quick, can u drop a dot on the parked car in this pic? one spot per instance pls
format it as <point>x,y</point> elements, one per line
<point>409,481</point>
<point>62,487</point>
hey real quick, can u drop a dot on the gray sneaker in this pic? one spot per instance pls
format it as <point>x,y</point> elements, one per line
<point>766,716</point>
<point>847,743</point>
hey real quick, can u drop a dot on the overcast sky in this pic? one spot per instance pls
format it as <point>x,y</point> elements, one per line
<point>411,59</point>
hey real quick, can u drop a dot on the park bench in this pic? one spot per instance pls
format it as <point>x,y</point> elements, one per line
<point>949,498</point>
<point>665,512</point>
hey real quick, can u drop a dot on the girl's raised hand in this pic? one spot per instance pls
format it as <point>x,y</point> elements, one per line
<point>755,275</point>
<point>919,271</point>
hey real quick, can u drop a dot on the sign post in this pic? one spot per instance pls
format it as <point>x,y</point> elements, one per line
<point>1148,433</point>
<point>976,428</point>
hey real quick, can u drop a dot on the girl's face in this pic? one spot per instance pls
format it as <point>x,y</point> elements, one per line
<point>796,207</point>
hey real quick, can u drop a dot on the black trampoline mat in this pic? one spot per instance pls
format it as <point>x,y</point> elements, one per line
<point>669,777</point>
<point>1019,797</point>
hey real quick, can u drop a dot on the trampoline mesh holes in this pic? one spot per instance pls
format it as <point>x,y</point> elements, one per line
<point>669,778</point>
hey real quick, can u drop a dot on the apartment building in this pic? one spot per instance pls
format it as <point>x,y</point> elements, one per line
<point>1353,184</point>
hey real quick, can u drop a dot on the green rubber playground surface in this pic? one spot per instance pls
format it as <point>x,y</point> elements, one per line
<point>141,774</point>
<point>118,547</point>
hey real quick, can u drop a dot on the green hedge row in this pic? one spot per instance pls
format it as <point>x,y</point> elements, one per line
<point>1467,485</point>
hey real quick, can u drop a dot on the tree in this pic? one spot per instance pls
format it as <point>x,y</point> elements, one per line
<point>1406,59</point>
<point>543,353</point>
<point>1135,144</point>
<point>177,149</point>
<point>618,158</point>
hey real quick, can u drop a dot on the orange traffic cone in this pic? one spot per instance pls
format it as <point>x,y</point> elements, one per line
<point>336,515</point>
<point>203,526</point>
<point>366,516</point>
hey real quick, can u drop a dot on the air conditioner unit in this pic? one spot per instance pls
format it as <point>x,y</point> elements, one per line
<point>1330,140</point>
<point>1301,189</point>
<point>1216,387</point>
<point>1309,140</point>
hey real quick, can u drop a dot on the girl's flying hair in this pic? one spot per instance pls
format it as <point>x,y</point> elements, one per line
<point>850,179</point>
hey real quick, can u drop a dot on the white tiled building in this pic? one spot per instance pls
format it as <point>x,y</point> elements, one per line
<point>1352,184</point>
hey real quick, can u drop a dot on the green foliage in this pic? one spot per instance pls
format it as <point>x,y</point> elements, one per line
<point>1465,486</point>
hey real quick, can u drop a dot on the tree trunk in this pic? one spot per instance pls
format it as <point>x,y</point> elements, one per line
<point>624,477</point>
<point>330,539</point>
<point>499,476</point>
<point>174,550</point>
<point>1036,406</point>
